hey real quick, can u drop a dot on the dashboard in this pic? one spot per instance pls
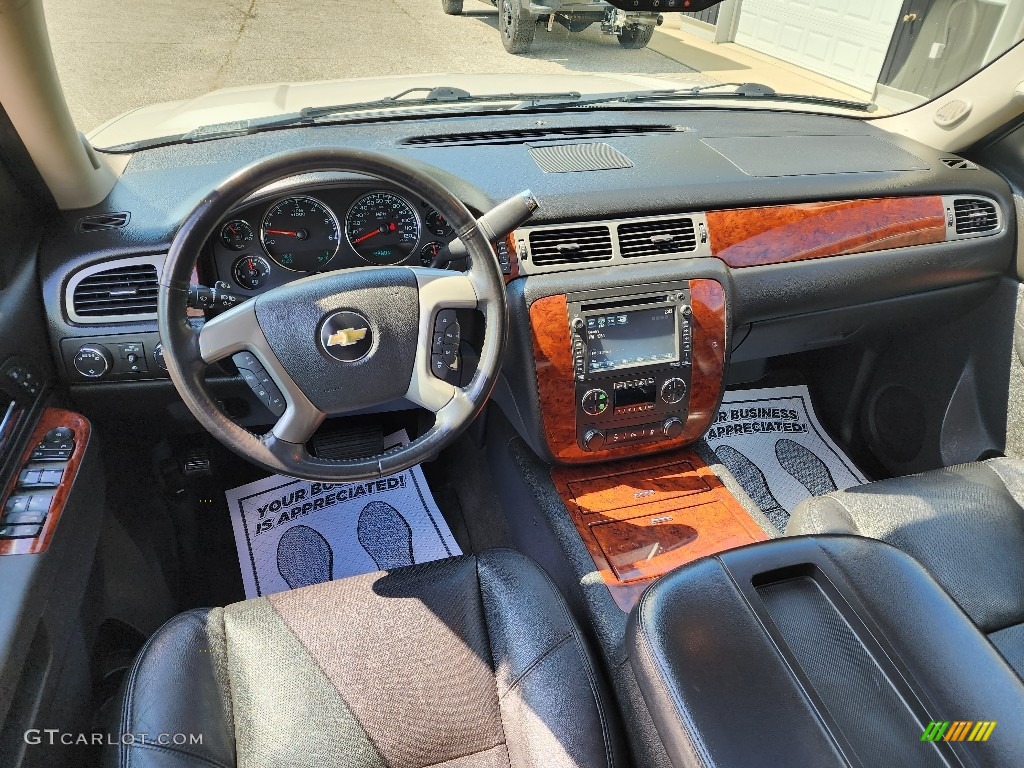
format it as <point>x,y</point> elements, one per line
<point>277,239</point>
<point>770,233</point>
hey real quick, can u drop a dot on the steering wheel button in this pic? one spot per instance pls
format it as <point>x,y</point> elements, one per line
<point>452,333</point>
<point>246,360</point>
<point>444,318</point>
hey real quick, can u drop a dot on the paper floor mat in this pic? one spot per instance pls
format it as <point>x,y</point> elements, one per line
<point>292,533</point>
<point>772,442</point>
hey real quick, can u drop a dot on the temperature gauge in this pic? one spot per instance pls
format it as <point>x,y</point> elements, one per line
<point>236,235</point>
<point>438,225</point>
<point>429,252</point>
<point>251,272</point>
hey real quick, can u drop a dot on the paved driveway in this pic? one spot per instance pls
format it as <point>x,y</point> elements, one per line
<point>117,55</point>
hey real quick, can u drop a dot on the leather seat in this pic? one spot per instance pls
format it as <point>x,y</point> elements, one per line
<point>470,661</point>
<point>965,524</point>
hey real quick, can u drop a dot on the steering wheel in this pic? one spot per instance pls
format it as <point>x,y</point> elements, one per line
<point>303,333</point>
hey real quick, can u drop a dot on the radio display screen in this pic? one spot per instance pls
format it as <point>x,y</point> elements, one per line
<point>632,339</point>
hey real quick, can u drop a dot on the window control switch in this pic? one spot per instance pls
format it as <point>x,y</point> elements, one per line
<point>19,531</point>
<point>23,518</point>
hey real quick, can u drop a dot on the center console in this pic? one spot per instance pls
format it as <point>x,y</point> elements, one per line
<point>630,370</point>
<point>843,644</point>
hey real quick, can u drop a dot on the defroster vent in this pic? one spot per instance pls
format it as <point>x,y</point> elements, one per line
<point>121,291</point>
<point>566,246</point>
<point>651,238</point>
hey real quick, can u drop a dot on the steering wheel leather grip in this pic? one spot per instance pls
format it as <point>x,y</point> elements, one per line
<point>283,326</point>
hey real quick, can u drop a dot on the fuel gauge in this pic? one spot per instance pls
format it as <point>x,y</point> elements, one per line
<point>251,272</point>
<point>236,235</point>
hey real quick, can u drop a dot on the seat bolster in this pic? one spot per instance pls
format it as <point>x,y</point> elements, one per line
<point>178,685</point>
<point>553,706</point>
<point>821,514</point>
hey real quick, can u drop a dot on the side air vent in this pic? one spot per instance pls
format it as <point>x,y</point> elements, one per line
<point>651,238</point>
<point>103,222</point>
<point>959,163</point>
<point>975,216</point>
<point>122,290</point>
<point>569,246</point>
<point>540,134</point>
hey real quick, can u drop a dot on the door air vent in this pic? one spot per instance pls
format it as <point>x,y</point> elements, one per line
<point>959,163</point>
<point>540,134</point>
<point>975,216</point>
<point>103,222</point>
<point>570,246</point>
<point>651,238</point>
<point>124,289</point>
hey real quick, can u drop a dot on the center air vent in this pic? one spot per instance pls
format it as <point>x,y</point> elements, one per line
<point>125,289</point>
<point>565,246</point>
<point>975,216</point>
<point>651,238</point>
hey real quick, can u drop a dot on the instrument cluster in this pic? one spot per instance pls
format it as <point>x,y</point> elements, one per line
<point>267,244</point>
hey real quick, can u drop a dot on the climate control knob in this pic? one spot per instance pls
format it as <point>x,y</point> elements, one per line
<point>673,428</point>
<point>673,391</point>
<point>93,361</point>
<point>593,440</point>
<point>595,402</point>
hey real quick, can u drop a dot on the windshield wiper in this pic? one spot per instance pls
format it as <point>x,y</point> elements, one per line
<point>434,97</point>
<point>752,91</point>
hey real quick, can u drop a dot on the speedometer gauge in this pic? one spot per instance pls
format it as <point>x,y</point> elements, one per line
<point>382,228</point>
<point>300,234</point>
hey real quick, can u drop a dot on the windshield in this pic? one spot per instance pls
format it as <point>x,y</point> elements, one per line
<point>148,69</point>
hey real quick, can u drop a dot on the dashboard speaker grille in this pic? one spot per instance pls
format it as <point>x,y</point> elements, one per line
<point>125,290</point>
<point>574,158</point>
<point>959,163</point>
<point>650,238</point>
<point>974,215</point>
<point>566,246</point>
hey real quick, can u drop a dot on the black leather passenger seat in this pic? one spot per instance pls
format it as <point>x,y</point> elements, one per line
<point>964,524</point>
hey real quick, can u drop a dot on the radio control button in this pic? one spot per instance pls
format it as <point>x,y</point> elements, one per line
<point>673,391</point>
<point>593,440</point>
<point>673,428</point>
<point>595,402</point>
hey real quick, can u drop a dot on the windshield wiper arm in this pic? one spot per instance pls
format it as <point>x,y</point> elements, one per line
<point>435,96</point>
<point>310,115</point>
<point>753,91</point>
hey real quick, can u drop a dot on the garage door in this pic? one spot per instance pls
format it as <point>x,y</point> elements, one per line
<point>842,39</point>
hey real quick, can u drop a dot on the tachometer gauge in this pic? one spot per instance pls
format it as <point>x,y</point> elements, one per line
<point>382,228</point>
<point>438,225</point>
<point>250,272</point>
<point>300,234</point>
<point>236,235</point>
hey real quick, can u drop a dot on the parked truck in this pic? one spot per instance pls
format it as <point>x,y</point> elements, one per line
<point>518,20</point>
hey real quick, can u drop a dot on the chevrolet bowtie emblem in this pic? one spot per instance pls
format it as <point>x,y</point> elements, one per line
<point>346,337</point>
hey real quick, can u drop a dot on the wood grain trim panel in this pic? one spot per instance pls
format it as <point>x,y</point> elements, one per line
<point>552,351</point>
<point>52,417</point>
<point>720,522</point>
<point>750,237</point>
<point>513,258</point>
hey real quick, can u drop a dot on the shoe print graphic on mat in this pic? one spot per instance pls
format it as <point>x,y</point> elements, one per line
<point>385,535</point>
<point>808,470</point>
<point>754,483</point>
<point>304,557</point>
